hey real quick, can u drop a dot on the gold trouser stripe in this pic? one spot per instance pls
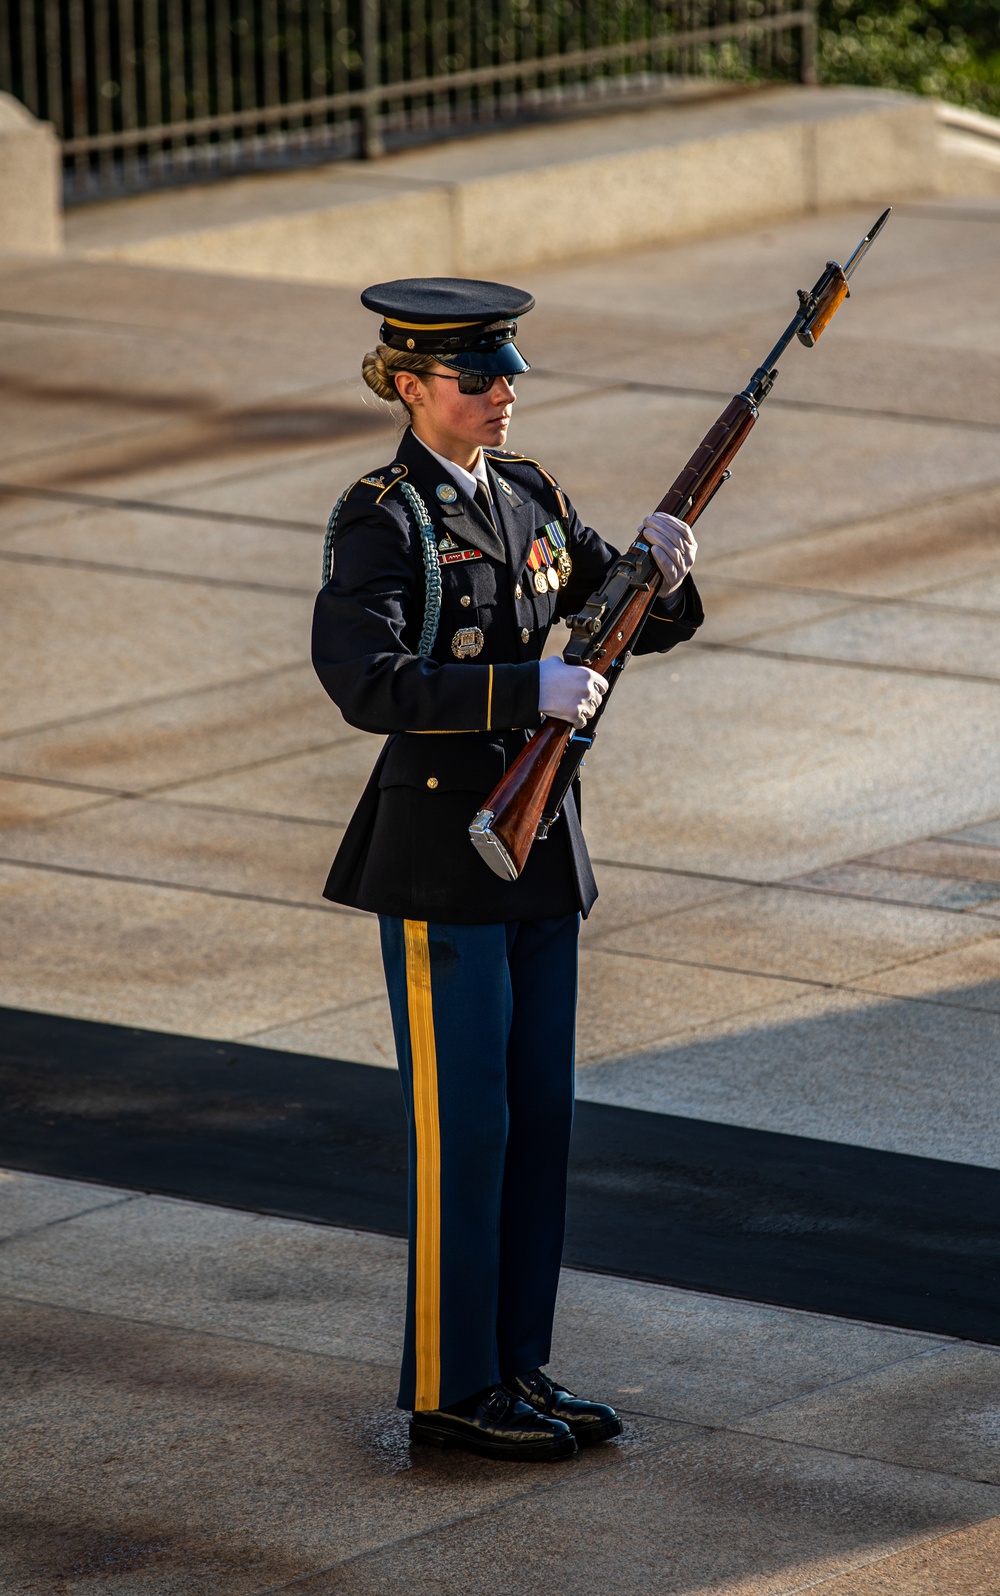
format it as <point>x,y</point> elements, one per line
<point>489,703</point>
<point>423,1054</point>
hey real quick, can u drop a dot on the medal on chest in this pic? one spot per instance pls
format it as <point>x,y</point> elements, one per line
<point>548,560</point>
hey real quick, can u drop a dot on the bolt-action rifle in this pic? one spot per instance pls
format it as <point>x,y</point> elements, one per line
<point>528,799</point>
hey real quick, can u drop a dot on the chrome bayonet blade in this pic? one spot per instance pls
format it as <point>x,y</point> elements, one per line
<point>867,242</point>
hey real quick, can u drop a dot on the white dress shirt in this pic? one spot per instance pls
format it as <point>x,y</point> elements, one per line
<point>467,480</point>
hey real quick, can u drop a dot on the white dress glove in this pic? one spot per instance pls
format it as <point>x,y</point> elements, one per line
<point>673,546</point>
<point>569,692</point>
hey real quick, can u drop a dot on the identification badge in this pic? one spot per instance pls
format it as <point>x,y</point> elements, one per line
<point>467,642</point>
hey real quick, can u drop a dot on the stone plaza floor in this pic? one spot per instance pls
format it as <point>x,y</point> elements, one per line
<point>796,823</point>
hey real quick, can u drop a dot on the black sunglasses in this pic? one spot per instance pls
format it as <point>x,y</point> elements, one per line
<point>473,381</point>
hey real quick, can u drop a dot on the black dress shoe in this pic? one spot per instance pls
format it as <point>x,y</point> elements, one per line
<point>590,1422</point>
<point>497,1425</point>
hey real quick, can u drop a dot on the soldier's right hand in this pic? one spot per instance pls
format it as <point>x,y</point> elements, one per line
<point>569,692</point>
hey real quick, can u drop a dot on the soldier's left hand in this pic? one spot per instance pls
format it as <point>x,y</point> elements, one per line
<point>673,545</point>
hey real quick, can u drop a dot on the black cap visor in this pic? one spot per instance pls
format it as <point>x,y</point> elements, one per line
<point>505,361</point>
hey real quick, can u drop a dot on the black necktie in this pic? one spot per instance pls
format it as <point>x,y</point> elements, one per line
<point>482,498</point>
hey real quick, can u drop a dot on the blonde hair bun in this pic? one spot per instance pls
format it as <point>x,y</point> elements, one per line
<point>380,365</point>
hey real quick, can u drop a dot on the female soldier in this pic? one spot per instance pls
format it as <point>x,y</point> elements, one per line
<point>450,565</point>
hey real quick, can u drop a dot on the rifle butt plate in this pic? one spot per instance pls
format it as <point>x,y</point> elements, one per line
<point>490,848</point>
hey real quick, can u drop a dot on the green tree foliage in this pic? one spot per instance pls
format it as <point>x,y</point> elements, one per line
<point>948,48</point>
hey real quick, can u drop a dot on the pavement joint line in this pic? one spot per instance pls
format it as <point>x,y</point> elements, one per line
<point>956,841</point>
<point>875,519</point>
<point>325,906</point>
<point>900,601</point>
<point>232,809</point>
<point>794,885</point>
<point>782,629</point>
<point>65,1219</point>
<point>778,402</point>
<point>946,213</point>
<point>106,501</point>
<point>847,1379</point>
<point>351,735</point>
<point>557,1482</point>
<point>723,969</point>
<point>38,318</point>
<point>149,574</point>
<point>567,1484</point>
<point>157,797</point>
<point>735,1429</point>
<point>939,1338</point>
<point>69,786</point>
<point>322,906</point>
<point>253,1037</point>
<point>111,437</point>
<point>128,706</point>
<point>204,1330</point>
<point>190,781</point>
<point>873,1562</point>
<point>129,329</point>
<point>848,984</point>
<point>829,661</point>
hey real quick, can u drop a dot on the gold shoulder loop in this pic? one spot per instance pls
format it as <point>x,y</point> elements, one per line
<point>381,480</point>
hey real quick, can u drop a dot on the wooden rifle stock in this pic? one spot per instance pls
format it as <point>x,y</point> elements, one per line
<point>527,800</point>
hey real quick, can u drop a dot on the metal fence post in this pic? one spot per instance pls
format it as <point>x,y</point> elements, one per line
<point>372,145</point>
<point>807,52</point>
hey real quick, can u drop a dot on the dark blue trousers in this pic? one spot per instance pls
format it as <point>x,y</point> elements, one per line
<point>484,1019</point>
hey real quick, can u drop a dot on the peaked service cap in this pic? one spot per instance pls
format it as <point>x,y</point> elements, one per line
<point>463,323</point>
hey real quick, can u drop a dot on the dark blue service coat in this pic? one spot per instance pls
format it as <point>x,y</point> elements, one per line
<point>454,721</point>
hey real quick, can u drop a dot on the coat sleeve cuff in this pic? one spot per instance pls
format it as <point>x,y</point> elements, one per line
<point>514,697</point>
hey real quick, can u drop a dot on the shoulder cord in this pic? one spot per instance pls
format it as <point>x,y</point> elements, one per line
<point>327,541</point>
<point>432,570</point>
<point>432,565</point>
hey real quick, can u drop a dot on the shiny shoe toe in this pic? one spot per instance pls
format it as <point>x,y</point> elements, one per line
<point>589,1422</point>
<point>501,1427</point>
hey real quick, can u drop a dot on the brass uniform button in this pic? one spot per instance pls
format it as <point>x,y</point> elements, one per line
<point>517,591</point>
<point>432,782</point>
<point>525,634</point>
<point>465,601</point>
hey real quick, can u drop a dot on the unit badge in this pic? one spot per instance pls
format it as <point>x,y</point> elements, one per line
<point>446,492</point>
<point>467,642</point>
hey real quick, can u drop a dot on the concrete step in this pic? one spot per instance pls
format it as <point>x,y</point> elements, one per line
<point>504,202</point>
<point>970,151</point>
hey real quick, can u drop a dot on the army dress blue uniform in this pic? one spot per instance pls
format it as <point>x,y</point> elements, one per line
<point>481,971</point>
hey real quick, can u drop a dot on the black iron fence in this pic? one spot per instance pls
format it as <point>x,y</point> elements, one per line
<point>143,92</point>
